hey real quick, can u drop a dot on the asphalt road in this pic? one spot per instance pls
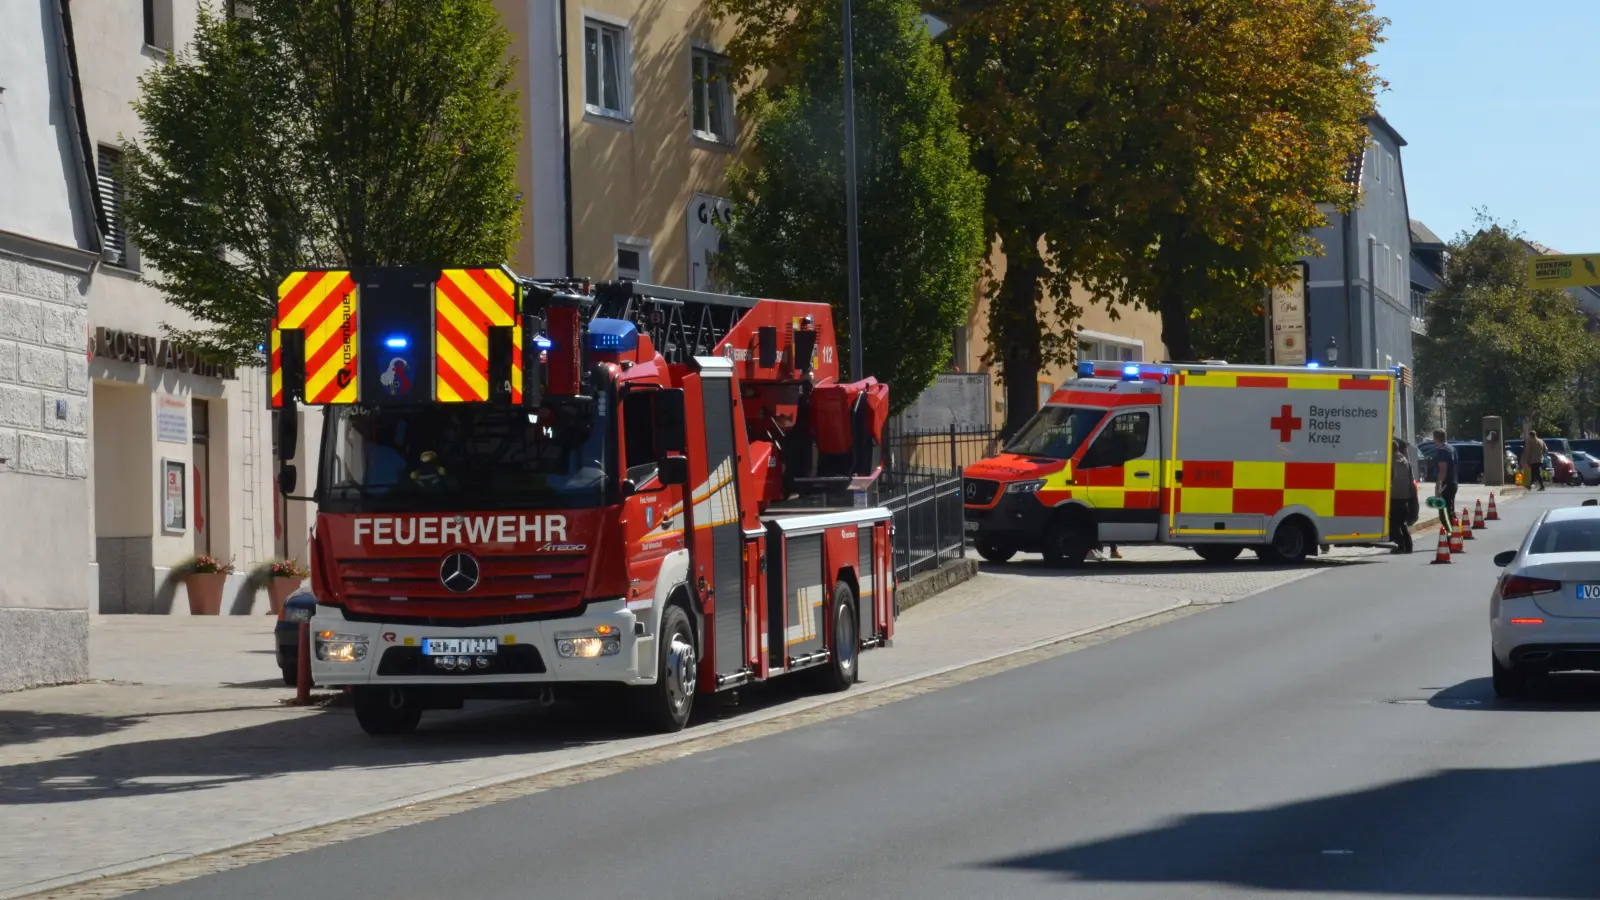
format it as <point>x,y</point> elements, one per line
<point>1336,737</point>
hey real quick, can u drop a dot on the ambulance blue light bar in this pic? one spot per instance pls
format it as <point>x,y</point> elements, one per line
<point>612,336</point>
<point>1130,373</point>
<point>1313,365</point>
<point>1086,369</point>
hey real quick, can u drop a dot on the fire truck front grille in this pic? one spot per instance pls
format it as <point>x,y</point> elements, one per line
<point>550,580</point>
<point>979,491</point>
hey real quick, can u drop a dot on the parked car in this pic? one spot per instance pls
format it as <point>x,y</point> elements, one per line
<point>300,607</point>
<point>1588,467</point>
<point>1468,453</point>
<point>1590,446</point>
<point>1561,469</point>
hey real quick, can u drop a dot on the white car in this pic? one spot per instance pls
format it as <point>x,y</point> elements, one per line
<point>1544,615</point>
<point>1588,467</point>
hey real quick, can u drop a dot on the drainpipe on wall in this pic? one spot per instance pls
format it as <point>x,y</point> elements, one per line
<point>566,134</point>
<point>1349,302</point>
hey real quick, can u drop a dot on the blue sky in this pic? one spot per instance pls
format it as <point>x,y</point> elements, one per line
<point>1499,102</point>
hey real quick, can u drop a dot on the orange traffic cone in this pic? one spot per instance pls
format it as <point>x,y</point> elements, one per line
<point>1494,514</point>
<point>1441,556</point>
<point>1456,545</point>
<point>1466,525</point>
<point>1478,522</point>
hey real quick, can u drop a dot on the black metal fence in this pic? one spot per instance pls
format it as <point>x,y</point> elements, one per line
<point>921,486</point>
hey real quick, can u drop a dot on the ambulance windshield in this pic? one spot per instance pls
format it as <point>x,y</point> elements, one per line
<point>444,457</point>
<point>1056,432</point>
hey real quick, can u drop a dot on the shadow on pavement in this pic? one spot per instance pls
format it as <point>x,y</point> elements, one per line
<point>1567,692</point>
<point>1098,569</point>
<point>327,739</point>
<point>1459,833</point>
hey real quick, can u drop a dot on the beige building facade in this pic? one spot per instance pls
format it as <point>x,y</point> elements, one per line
<point>626,151</point>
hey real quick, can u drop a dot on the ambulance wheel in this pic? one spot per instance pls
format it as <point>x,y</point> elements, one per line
<point>1068,542</point>
<point>1290,544</point>
<point>664,707</point>
<point>382,711</point>
<point>843,666</point>
<point>1219,554</point>
<point>994,551</point>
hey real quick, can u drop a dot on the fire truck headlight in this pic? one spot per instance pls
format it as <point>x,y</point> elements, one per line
<point>333,647</point>
<point>602,640</point>
<point>1024,487</point>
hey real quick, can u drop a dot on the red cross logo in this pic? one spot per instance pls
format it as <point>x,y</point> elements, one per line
<point>1286,424</point>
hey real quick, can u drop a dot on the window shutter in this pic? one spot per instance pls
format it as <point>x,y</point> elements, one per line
<point>116,238</point>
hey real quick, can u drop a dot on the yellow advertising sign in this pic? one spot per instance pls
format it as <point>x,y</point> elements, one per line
<point>1564,271</point>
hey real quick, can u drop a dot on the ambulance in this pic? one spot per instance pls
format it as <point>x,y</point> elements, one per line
<point>1285,462</point>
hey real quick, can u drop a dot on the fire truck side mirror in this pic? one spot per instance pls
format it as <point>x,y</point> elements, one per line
<point>288,429</point>
<point>767,346</point>
<point>805,344</point>
<point>671,436</point>
<point>288,479</point>
<point>673,470</point>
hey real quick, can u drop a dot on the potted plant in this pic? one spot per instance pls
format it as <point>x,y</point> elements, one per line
<point>204,579</point>
<point>283,577</point>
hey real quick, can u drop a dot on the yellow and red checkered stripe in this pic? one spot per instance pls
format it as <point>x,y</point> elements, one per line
<point>1355,490</point>
<point>323,305</point>
<point>467,304</point>
<point>1297,381</point>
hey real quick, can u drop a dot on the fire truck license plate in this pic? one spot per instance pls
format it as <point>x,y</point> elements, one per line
<point>460,646</point>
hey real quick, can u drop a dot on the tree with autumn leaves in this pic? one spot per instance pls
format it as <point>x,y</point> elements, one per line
<point>1168,154</point>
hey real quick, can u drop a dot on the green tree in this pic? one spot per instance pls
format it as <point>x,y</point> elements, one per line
<point>1168,154</point>
<point>920,202</point>
<point>320,133</point>
<point>1496,346</point>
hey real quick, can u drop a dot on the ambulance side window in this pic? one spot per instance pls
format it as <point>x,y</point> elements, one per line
<point>1124,438</point>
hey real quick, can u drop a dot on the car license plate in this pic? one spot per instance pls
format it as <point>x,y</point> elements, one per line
<point>1589,592</point>
<point>460,646</point>
<point>972,527</point>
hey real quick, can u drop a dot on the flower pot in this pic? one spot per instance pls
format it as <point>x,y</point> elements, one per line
<point>205,592</point>
<point>279,589</point>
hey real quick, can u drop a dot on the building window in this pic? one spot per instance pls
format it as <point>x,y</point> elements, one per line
<point>1046,391</point>
<point>633,259</point>
<point>1101,349</point>
<point>606,69</point>
<point>116,239</point>
<point>713,106</point>
<point>158,24</point>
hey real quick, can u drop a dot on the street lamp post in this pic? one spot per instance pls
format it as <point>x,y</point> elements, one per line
<point>852,249</point>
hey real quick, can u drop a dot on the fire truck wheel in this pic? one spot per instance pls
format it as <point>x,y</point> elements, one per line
<point>843,665</point>
<point>383,710</point>
<point>1290,543</point>
<point>993,550</point>
<point>1218,554</point>
<point>291,675</point>
<point>1068,542</point>
<point>665,705</point>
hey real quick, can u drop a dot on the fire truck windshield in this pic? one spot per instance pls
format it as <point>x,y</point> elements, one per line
<point>1056,432</point>
<point>459,457</point>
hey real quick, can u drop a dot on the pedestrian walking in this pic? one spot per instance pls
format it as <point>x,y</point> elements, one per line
<point>1445,477</point>
<point>1533,451</point>
<point>1403,509</point>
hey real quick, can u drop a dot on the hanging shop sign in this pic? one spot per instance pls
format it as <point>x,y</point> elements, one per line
<point>153,351</point>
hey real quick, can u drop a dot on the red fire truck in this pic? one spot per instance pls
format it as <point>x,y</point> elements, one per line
<point>530,486</point>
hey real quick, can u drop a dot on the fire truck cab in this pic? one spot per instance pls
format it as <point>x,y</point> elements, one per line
<point>1220,458</point>
<point>615,489</point>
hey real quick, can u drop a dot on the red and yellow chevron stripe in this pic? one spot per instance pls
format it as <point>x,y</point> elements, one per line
<point>467,303</point>
<point>275,354</point>
<point>323,305</point>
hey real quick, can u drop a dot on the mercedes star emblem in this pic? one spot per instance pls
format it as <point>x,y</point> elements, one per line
<point>972,489</point>
<point>459,573</point>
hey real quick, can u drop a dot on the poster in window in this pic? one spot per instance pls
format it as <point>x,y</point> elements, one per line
<point>174,496</point>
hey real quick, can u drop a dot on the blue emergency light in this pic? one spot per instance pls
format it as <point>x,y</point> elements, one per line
<point>1086,370</point>
<point>1313,365</point>
<point>396,342</point>
<point>1130,373</point>
<point>540,342</point>
<point>612,336</point>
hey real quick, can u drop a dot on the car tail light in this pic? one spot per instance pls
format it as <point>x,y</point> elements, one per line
<point>1523,586</point>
